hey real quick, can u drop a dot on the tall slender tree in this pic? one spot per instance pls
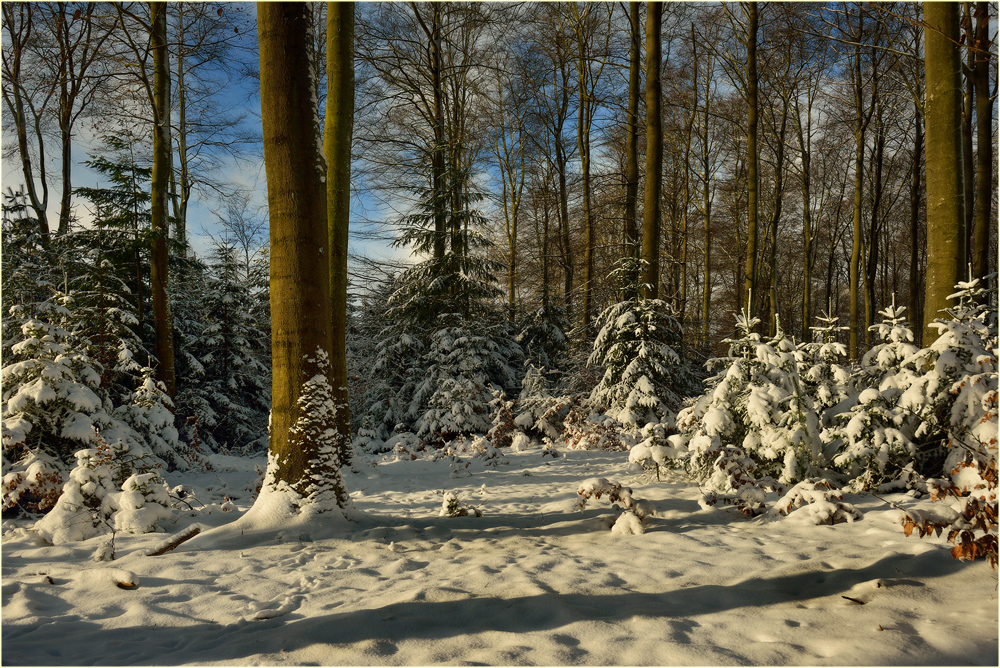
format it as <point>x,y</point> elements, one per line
<point>753,156</point>
<point>654,155</point>
<point>630,231</point>
<point>337,135</point>
<point>982,240</point>
<point>163,324</point>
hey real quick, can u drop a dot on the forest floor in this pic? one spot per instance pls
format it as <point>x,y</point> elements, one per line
<point>534,581</point>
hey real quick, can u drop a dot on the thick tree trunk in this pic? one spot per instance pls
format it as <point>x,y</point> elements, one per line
<point>654,155</point>
<point>301,316</point>
<point>945,183</point>
<point>753,181</point>
<point>162,320</point>
<point>337,137</point>
<point>630,232</point>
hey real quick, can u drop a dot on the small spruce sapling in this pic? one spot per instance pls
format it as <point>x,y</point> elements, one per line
<point>874,437</point>
<point>645,377</point>
<point>824,376</point>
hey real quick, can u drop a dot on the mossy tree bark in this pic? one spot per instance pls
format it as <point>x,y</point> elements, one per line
<point>301,315</point>
<point>945,182</point>
<point>337,137</point>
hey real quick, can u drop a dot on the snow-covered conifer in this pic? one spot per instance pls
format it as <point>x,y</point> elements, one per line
<point>645,377</point>
<point>821,367</point>
<point>149,415</point>
<point>542,336</point>
<point>757,403</point>
<point>50,384</point>
<point>874,436</point>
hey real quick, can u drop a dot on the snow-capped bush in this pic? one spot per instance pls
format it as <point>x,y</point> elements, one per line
<point>959,386</point>
<point>143,504</point>
<point>501,434</point>
<point>953,374</point>
<point>367,439</point>
<point>733,480</point>
<point>463,366</point>
<point>114,478</point>
<point>405,446</point>
<point>815,501</point>
<point>452,507</point>
<point>655,449</point>
<point>541,335</point>
<point>149,415</point>
<point>541,413</point>
<point>645,377</point>
<point>637,509</point>
<point>32,485</point>
<point>585,430</point>
<point>821,367</point>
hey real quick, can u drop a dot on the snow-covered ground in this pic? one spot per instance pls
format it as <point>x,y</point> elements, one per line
<point>532,581</point>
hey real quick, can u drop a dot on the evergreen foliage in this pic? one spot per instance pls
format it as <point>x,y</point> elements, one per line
<point>645,377</point>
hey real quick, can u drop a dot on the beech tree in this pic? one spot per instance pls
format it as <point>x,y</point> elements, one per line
<point>945,184</point>
<point>301,314</point>
<point>338,131</point>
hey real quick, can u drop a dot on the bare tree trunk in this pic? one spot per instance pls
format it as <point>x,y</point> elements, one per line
<point>945,187</point>
<point>860,128</point>
<point>162,320</point>
<point>985,187</point>
<point>779,188</point>
<point>873,224</point>
<point>301,315</point>
<point>337,136</point>
<point>914,308</point>
<point>654,155</point>
<point>753,181</point>
<point>631,231</point>
<point>20,27</point>
<point>968,109</point>
<point>180,216</point>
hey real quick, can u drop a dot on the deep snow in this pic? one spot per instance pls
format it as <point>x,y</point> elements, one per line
<point>534,580</point>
